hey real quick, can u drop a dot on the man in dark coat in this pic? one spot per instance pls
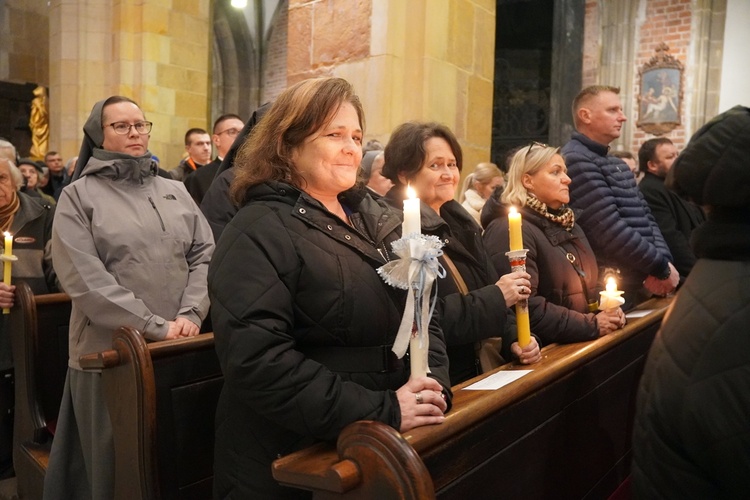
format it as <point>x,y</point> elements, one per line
<point>676,217</point>
<point>615,217</point>
<point>692,426</point>
<point>226,128</point>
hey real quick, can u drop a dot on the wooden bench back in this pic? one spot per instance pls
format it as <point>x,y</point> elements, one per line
<point>38,325</point>
<point>561,431</point>
<point>162,399</point>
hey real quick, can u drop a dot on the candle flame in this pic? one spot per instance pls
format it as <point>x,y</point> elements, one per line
<point>611,284</point>
<point>7,234</point>
<point>410,193</point>
<point>513,210</point>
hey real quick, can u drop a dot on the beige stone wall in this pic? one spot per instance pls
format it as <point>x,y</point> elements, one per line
<point>430,60</point>
<point>23,41</point>
<point>156,53</point>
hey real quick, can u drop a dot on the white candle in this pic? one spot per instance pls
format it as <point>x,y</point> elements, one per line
<point>412,221</point>
<point>610,297</point>
<point>8,251</point>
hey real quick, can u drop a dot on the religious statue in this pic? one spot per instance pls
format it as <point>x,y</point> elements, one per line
<point>39,124</point>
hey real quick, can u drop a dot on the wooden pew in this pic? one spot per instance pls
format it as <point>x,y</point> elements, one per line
<point>162,399</point>
<point>38,325</point>
<point>562,431</point>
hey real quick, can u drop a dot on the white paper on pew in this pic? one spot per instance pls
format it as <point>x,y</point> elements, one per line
<point>639,313</point>
<point>497,380</point>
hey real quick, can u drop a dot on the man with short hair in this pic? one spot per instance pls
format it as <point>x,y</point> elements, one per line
<point>226,128</point>
<point>615,217</point>
<point>54,163</point>
<point>198,147</point>
<point>675,216</point>
<point>8,150</point>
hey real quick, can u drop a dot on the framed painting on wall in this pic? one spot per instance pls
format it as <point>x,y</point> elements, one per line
<point>660,96</point>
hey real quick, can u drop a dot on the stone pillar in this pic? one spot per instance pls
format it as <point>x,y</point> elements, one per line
<point>155,52</point>
<point>430,60</point>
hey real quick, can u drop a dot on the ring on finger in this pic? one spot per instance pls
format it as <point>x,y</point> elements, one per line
<point>418,397</point>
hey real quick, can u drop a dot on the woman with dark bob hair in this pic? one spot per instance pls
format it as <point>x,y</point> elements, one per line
<point>303,323</point>
<point>474,302</point>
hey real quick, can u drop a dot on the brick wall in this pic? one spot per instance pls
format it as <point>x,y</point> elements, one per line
<point>274,78</point>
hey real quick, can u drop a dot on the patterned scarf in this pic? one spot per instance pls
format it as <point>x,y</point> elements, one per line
<point>8,212</point>
<point>564,216</point>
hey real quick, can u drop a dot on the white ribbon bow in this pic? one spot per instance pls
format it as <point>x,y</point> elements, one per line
<point>416,270</point>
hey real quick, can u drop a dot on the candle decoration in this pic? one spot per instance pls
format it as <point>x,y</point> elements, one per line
<point>416,271</point>
<point>8,258</point>
<point>611,297</point>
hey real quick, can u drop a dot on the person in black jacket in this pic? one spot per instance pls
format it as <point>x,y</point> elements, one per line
<point>429,158</point>
<point>303,323</point>
<point>691,434</point>
<point>677,218</point>
<point>563,268</point>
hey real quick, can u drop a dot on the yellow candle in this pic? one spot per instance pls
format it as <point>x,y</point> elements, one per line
<point>522,321</point>
<point>7,264</point>
<point>412,221</point>
<point>514,226</point>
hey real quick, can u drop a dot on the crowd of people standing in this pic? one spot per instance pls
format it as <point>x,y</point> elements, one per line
<point>283,233</point>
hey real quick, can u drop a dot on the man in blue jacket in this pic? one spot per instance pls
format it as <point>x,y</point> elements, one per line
<point>614,215</point>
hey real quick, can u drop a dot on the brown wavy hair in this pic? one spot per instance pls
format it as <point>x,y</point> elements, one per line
<point>300,111</point>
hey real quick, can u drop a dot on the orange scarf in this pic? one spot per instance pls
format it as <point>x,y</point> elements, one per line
<point>8,212</point>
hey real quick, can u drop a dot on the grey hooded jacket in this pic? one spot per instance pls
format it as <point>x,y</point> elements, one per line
<point>130,248</point>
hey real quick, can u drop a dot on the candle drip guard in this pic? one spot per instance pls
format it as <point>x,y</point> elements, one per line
<point>416,270</point>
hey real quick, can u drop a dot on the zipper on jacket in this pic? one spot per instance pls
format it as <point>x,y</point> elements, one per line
<point>161,221</point>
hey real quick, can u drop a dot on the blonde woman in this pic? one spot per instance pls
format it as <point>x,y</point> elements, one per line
<point>561,263</point>
<point>478,186</point>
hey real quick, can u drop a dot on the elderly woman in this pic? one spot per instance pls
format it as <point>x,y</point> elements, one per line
<point>31,172</point>
<point>130,248</point>
<point>478,186</point>
<point>30,223</point>
<point>562,265</point>
<point>473,300</point>
<point>304,333</point>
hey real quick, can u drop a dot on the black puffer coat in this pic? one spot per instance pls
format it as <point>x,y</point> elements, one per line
<point>615,217</point>
<point>465,319</point>
<point>691,436</point>
<point>558,306</point>
<point>302,323</point>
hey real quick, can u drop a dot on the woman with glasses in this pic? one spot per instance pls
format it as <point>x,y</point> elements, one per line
<point>473,301</point>
<point>563,268</point>
<point>130,248</point>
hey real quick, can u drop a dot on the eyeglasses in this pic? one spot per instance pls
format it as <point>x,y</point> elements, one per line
<point>123,128</point>
<point>231,132</point>
<point>531,146</point>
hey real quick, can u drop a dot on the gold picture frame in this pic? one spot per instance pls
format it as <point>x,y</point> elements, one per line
<point>660,93</point>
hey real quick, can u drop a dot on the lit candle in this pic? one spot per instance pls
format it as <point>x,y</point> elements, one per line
<point>514,226</point>
<point>610,297</point>
<point>412,222</point>
<point>7,263</point>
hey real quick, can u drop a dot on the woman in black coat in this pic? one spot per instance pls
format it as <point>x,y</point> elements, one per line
<point>428,157</point>
<point>303,323</point>
<point>560,261</point>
